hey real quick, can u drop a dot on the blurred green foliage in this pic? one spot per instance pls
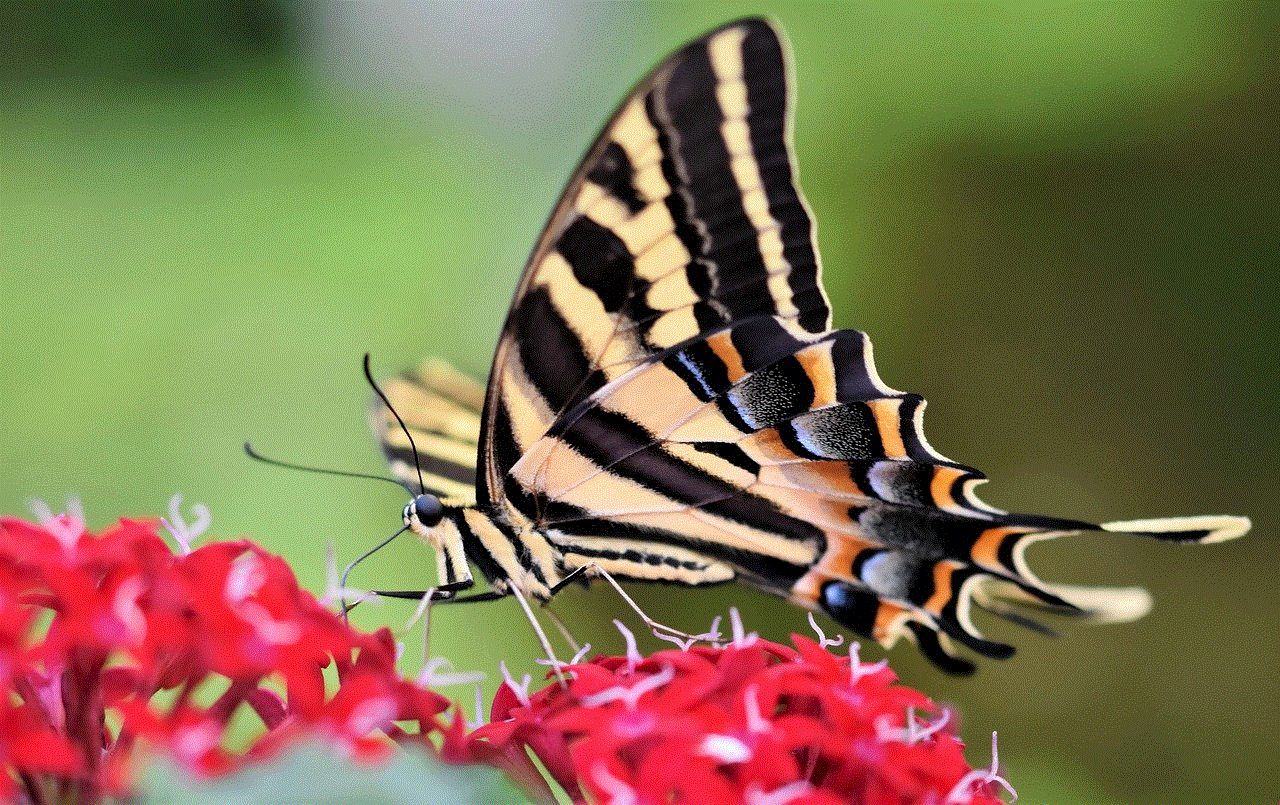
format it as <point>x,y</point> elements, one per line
<point>1057,221</point>
<point>312,774</point>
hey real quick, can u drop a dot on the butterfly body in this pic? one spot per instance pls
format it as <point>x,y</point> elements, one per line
<point>668,401</point>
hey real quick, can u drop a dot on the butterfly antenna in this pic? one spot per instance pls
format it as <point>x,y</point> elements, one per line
<point>275,462</point>
<point>342,581</point>
<point>417,463</point>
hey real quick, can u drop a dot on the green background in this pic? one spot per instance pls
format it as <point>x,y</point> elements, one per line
<point>1057,221</point>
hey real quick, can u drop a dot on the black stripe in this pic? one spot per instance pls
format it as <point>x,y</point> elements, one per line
<point>762,340</point>
<point>1191,536</point>
<point>730,453</point>
<point>701,369</point>
<point>637,556</point>
<point>551,353</point>
<point>502,446</point>
<point>911,483</point>
<point>524,557</point>
<point>918,584</point>
<point>600,261</point>
<point>697,161</point>
<point>931,647</point>
<point>853,378</point>
<point>614,172</point>
<point>621,446</point>
<point>760,570</point>
<point>911,441</point>
<point>698,272</point>
<point>950,623</point>
<point>1042,522</point>
<point>462,473</point>
<point>926,533</point>
<point>752,298</point>
<point>764,72</point>
<point>474,549</point>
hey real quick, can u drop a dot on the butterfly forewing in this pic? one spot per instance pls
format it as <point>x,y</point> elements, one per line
<point>683,218</point>
<point>667,401</point>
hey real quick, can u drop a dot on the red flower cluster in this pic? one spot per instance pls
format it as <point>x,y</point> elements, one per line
<point>749,722</point>
<point>93,627</point>
<point>112,640</point>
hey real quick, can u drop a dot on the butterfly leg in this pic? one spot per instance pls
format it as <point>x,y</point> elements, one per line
<point>561,628</point>
<point>444,594</point>
<point>641,561</point>
<point>659,630</point>
<point>542,636</point>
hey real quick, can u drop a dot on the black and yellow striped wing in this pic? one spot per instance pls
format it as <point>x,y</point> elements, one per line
<point>441,410</point>
<point>668,403</point>
<point>682,220</point>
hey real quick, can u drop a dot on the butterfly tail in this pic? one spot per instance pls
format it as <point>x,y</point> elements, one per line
<point>892,595</point>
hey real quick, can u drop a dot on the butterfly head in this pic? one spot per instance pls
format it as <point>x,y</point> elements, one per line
<point>423,513</point>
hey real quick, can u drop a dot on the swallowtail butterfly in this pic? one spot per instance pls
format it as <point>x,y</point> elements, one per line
<point>669,403</point>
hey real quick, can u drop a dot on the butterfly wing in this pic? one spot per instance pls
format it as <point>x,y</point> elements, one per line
<point>782,456</point>
<point>682,218</point>
<point>667,401</point>
<point>441,409</point>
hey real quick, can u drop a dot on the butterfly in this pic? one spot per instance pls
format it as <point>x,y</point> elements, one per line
<point>669,403</point>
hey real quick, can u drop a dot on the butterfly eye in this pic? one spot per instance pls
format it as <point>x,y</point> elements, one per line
<point>427,510</point>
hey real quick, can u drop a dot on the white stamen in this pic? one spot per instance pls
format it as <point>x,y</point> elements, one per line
<point>479,703</point>
<point>963,791</point>
<point>630,697</point>
<point>431,675</point>
<point>914,732</point>
<point>65,528</point>
<point>684,644</point>
<point>521,688</point>
<point>756,721</point>
<point>712,635</point>
<point>41,510</point>
<point>420,611</point>
<point>183,534</point>
<point>633,653</point>
<point>823,640</point>
<point>193,741</point>
<point>272,631</point>
<point>126,609</point>
<point>741,637</point>
<point>371,714</point>
<point>244,578</point>
<point>334,592</point>
<point>859,669</point>
<point>74,509</point>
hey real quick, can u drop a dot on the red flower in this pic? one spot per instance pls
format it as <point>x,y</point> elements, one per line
<point>93,626</point>
<point>747,722</point>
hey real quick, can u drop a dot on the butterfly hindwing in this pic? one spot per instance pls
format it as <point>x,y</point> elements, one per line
<point>441,407</point>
